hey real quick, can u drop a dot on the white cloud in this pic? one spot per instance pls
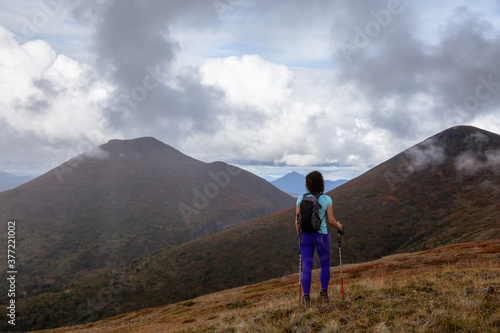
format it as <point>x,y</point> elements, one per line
<point>21,63</point>
<point>97,153</point>
<point>50,97</point>
<point>249,80</point>
<point>469,164</point>
<point>426,154</point>
<point>290,116</point>
<point>267,122</point>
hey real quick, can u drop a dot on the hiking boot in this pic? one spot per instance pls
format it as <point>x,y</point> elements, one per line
<point>324,296</point>
<point>306,300</point>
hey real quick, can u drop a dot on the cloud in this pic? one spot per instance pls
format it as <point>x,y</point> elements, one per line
<point>244,108</point>
<point>97,153</point>
<point>396,64</point>
<point>266,83</point>
<point>469,163</point>
<point>135,51</point>
<point>474,159</point>
<point>249,80</point>
<point>50,103</point>
<point>40,81</point>
<point>288,116</point>
<point>424,155</point>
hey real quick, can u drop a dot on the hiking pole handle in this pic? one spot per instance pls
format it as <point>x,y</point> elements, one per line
<point>340,232</point>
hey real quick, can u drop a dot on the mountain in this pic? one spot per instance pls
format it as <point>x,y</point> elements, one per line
<point>9,181</point>
<point>442,191</point>
<point>120,201</point>
<point>405,292</point>
<point>293,183</point>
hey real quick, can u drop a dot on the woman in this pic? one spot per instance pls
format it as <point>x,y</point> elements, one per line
<point>320,241</point>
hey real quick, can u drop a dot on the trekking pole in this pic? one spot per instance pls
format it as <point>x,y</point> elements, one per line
<point>339,232</point>
<point>300,274</point>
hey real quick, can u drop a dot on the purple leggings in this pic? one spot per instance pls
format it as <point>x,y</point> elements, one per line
<point>308,242</point>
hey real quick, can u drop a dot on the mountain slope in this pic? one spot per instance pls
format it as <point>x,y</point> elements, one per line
<point>405,292</point>
<point>122,200</point>
<point>294,183</point>
<point>441,191</point>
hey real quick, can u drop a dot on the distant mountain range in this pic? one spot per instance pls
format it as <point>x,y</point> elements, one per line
<point>119,201</point>
<point>9,181</point>
<point>293,183</point>
<point>444,190</point>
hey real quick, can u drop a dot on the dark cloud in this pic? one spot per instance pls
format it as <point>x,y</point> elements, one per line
<point>394,65</point>
<point>134,50</point>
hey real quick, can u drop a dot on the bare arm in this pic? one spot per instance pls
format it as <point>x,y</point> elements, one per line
<point>331,219</point>
<point>297,210</point>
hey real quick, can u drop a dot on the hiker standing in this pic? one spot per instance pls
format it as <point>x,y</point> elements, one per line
<point>313,239</point>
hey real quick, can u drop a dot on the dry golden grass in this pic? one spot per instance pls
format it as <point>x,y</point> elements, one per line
<point>451,289</point>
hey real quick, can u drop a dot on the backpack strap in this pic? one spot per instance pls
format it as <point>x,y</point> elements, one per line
<point>317,198</point>
<point>326,212</point>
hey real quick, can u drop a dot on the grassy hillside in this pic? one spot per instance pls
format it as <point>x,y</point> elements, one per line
<point>223,260</point>
<point>449,289</point>
<point>120,201</point>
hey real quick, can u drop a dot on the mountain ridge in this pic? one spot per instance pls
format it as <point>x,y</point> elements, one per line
<point>121,200</point>
<point>142,145</point>
<point>418,200</point>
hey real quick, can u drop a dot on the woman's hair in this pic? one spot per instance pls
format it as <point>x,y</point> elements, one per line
<point>315,182</point>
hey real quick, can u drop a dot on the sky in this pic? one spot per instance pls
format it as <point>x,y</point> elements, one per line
<point>272,86</point>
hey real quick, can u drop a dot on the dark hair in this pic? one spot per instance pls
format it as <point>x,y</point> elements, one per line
<point>315,182</point>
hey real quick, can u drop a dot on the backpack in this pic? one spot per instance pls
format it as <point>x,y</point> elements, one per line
<point>308,216</point>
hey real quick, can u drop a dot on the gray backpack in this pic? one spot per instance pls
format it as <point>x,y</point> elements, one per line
<point>308,216</point>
